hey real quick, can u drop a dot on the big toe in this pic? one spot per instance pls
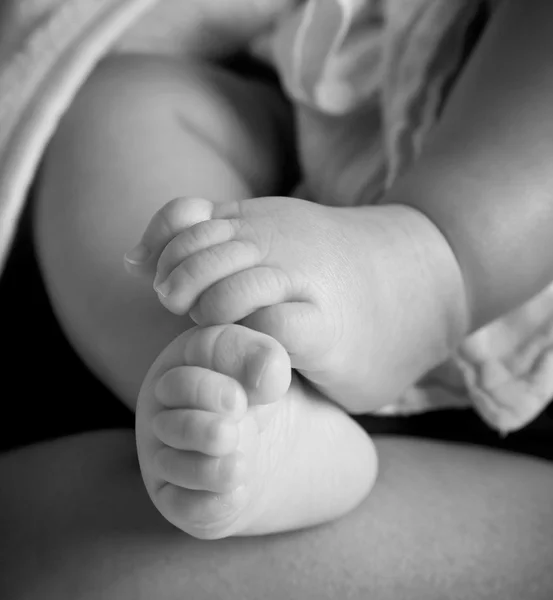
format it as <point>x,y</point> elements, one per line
<point>300,327</point>
<point>259,362</point>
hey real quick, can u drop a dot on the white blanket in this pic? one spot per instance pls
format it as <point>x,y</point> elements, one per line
<point>47,49</point>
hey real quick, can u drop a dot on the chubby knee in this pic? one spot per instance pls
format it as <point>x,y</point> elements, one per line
<point>245,121</point>
<point>142,130</point>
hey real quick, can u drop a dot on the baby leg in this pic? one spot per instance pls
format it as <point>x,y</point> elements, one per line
<point>445,521</point>
<point>142,131</point>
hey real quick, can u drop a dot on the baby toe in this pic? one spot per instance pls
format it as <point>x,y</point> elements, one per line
<point>258,362</point>
<point>204,515</point>
<point>299,326</point>
<point>171,219</point>
<point>235,297</point>
<point>198,272</point>
<point>190,241</point>
<point>199,431</point>
<point>195,387</point>
<point>195,471</point>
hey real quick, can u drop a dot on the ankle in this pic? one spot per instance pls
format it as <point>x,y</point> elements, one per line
<point>431,282</point>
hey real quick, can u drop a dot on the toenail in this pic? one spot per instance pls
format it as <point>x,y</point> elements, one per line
<point>163,289</point>
<point>138,255</point>
<point>258,365</point>
<point>195,314</point>
<point>232,469</point>
<point>221,431</point>
<point>229,399</point>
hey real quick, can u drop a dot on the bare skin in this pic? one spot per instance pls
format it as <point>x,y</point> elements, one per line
<point>186,114</point>
<point>228,447</point>
<point>110,539</point>
<point>445,521</point>
<point>261,469</point>
<point>126,327</point>
<point>348,292</point>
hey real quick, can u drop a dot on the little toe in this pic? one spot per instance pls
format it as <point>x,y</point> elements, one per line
<point>196,430</point>
<point>204,515</point>
<point>195,471</point>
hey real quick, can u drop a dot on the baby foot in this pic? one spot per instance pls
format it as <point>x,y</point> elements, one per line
<point>200,414</point>
<point>226,448</point>
<point>359,297</point>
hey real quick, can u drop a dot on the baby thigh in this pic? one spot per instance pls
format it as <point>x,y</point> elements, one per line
<point>445,521</point>
<point>142,131</point>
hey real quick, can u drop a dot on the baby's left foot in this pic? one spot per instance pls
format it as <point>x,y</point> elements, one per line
<point>228,447</point>
<point>359,297</point>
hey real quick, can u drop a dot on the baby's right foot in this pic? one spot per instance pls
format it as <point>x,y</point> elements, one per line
<point>365,300</point>
<point>225,448</point>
